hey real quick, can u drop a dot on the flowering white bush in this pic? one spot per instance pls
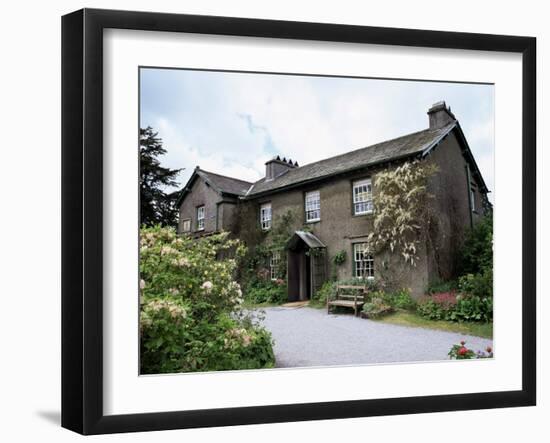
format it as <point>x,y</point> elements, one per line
<point>191,306</point>
<point>170,264</point>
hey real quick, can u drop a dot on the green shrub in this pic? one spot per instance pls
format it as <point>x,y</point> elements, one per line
<point>448,306</point>
<point>442,286</point>
<point>164,326</point>
<point>339,258</point>
<point>376,308</point>
<point>480,285</point>
<point>191,317</point>
<point>472,308</point>
<point>326,292</point>
<point>398,299</point>
<point>477,251</point>
<point>260,291</point>
<point>437,306</point>
<point>477,261</point>
<point>231,345</point>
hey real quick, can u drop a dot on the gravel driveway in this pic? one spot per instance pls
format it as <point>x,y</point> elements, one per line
<point>309,337</point>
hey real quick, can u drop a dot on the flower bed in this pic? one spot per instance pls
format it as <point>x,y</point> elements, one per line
<point>456,307</point>
<point>461,352</point>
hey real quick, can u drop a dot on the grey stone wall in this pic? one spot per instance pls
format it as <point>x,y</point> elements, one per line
<point>338,228</point>
<point>221,211</point>
<point>450,188</point>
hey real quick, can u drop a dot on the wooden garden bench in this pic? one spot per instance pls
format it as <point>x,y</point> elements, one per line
<point>348,296</point>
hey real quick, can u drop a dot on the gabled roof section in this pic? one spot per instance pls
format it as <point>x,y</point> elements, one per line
<point>406,146</point>
<point>469,156</point>
<point>222,184</point>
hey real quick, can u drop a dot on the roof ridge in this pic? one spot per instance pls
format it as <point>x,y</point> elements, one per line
<point>225,176</point>
<point>356,150</point>
<point>420,140</point>
<point>370,146</point>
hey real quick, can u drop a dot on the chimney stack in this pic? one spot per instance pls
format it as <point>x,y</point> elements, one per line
<point>440,115</point>
<point>276,167</point>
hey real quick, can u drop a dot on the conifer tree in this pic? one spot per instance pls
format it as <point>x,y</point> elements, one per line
<point>157,206</point>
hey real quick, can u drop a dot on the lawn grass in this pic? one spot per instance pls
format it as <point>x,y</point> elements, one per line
<point>405,318</point>
<point>250,305</point>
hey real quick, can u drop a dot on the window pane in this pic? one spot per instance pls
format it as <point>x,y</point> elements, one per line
<point>265,216</point>
<point>200,217</point>
<point>274,264</point>
<point>364,262</point>
<point>362,197</point>
<point>313,206</point>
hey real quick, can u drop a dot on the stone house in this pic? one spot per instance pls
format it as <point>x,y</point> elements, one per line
<point>332,204</point>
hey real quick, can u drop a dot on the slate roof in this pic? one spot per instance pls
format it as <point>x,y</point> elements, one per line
<point>401,147</point>
<point>220,183</point>
<point>310,239</point>
<point>224,184</point>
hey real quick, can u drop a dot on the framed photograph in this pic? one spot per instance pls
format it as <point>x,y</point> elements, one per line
<point>269,221</point>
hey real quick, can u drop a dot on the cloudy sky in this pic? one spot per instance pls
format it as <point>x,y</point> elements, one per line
<point>232,123</point>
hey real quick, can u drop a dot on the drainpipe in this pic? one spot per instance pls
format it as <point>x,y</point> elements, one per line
<point>468,194</point>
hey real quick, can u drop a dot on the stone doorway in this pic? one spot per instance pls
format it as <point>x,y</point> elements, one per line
<point>307,267</point>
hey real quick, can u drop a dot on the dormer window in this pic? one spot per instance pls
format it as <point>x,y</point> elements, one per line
<point>265,216</point>
<point>362,197</point>
<point>313,206</point>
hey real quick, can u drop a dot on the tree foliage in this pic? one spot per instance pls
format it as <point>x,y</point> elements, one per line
<point>401,209</point>
<point>156,205</point>
<point>477,252</point>
<point>477,259</point>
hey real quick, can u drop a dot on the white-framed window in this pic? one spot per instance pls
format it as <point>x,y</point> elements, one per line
<point>274,261</point>
<point>472,199</point>
<point>313,206</point>
<point>363,261</point>
<point>362,197</point>
<point>186,225</point>
<point>200,218</point>
<point>265,216</point>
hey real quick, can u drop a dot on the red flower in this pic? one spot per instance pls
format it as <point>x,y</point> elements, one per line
<point>489,349</point>
<point>462,350</point>
<point>462,342</point>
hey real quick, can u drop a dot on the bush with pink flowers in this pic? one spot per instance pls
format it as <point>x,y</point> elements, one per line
<point>437,306</point>
<point>451,306</point>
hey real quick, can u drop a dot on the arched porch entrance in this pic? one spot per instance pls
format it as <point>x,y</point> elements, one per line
<point>306,265</point>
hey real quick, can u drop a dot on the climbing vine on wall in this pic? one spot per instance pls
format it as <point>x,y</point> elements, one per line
<point>338,260</point>
<point>402,215</point>
<point>267,242</point>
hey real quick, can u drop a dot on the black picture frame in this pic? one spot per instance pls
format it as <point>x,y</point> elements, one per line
<point>82,218</point>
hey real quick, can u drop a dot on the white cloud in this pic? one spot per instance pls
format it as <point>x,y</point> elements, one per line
<point>231,123</point>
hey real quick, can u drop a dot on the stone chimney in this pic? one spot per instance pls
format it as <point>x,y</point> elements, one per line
<point>440,115</point>
<point>276,167</point>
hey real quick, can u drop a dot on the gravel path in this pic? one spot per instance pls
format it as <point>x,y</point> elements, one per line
<point>309,337</point>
